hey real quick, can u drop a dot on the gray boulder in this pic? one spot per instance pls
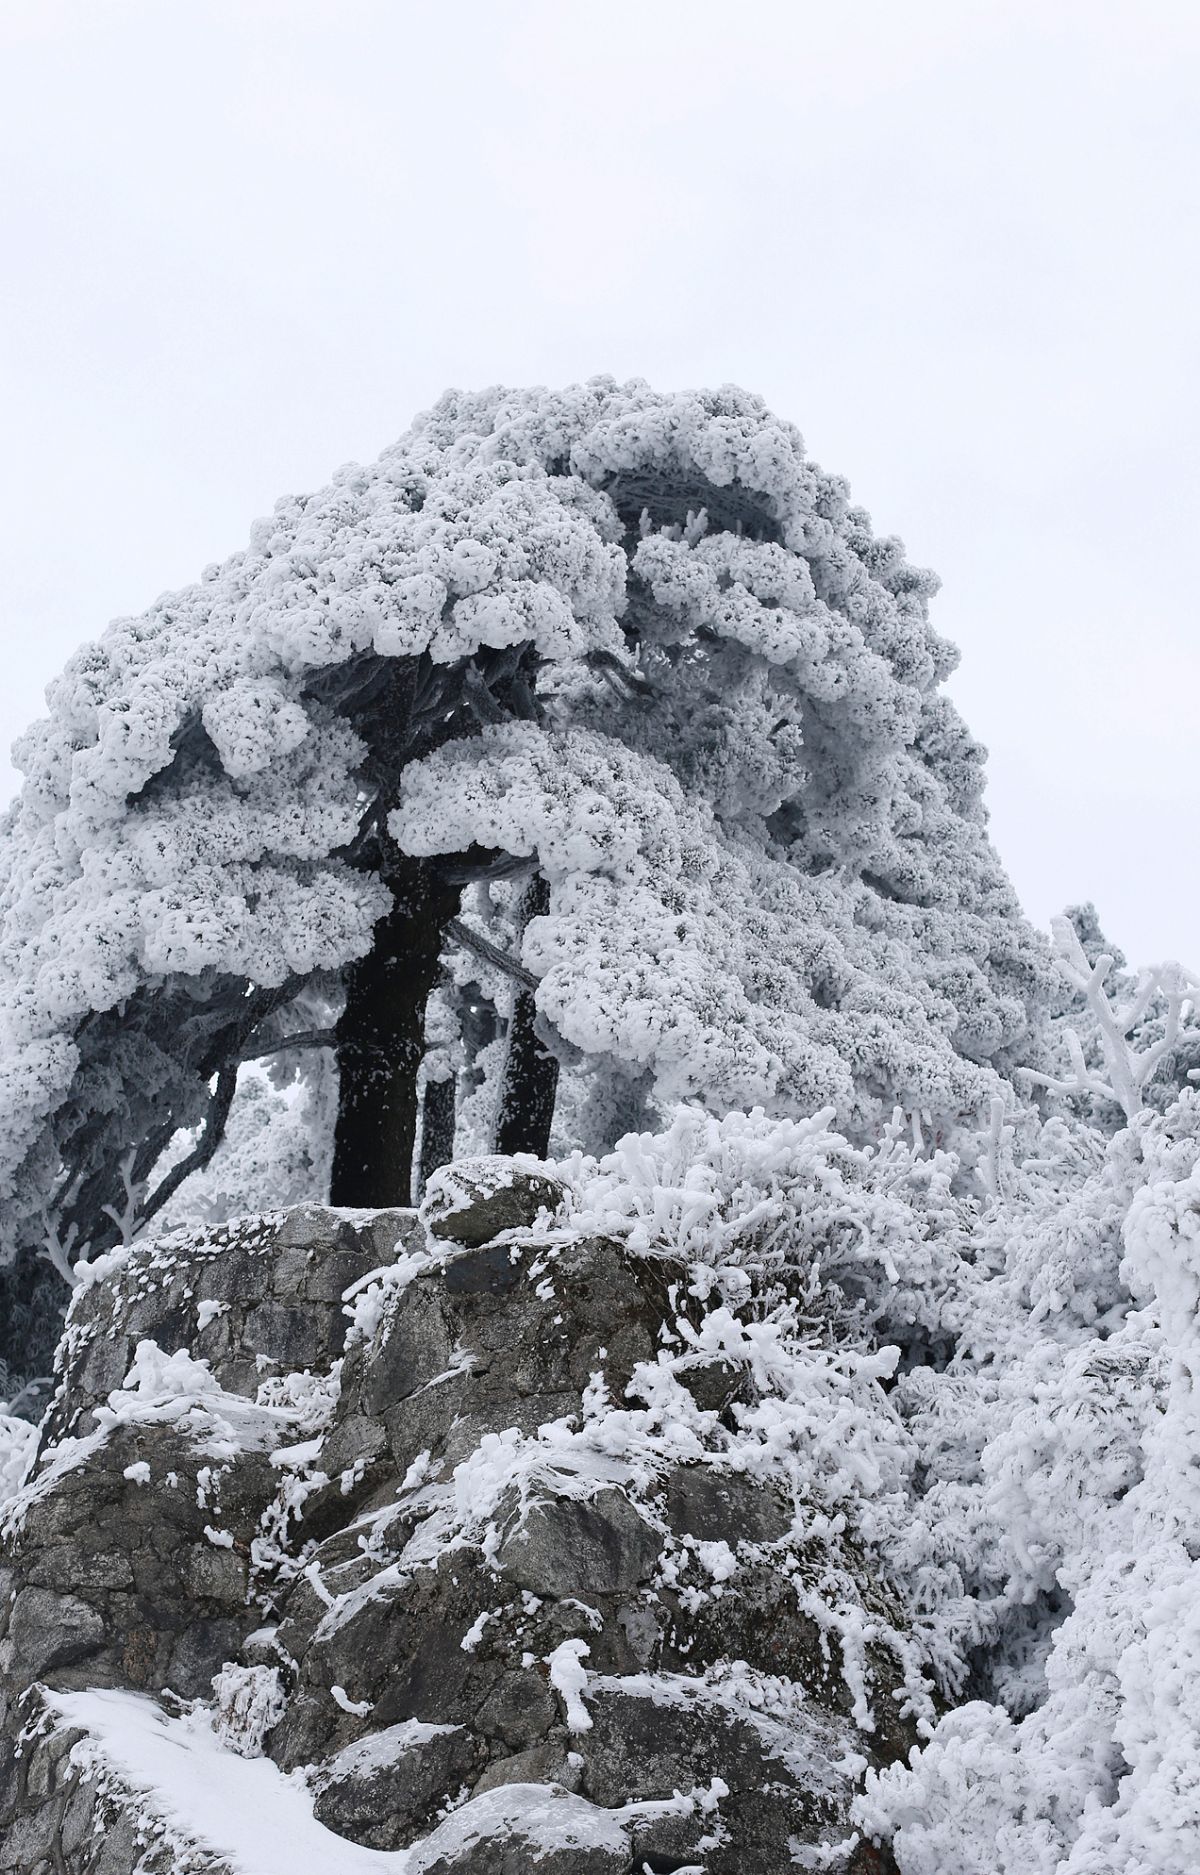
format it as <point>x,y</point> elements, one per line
<point>472,1646</point>
<point>566,1547</point>
<point>474,1200</point>
<point>383,1789</point>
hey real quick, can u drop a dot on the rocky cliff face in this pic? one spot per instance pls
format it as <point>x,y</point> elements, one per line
<point>438,1545</point>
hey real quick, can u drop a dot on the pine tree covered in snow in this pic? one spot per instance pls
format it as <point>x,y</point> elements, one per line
<point>633,654</point>
<point>579,774</point>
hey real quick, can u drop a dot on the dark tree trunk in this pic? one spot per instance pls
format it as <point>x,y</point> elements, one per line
<point>525,1110</point>
<point>381,1040</point>
<point>437,1127</point>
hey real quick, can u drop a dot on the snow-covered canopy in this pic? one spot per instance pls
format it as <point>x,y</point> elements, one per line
<point>641,637</point>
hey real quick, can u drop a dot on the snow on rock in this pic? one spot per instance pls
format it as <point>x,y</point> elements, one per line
<point>568,1677</point>
<point>157,1457</point>
<point>410,1769</point>
<point>198,1799</point>
<point>256,1298</point>
<point>515,1586</point>
<point>559,1833</point>
<point>473,1200</point>
<point>693,1505</point>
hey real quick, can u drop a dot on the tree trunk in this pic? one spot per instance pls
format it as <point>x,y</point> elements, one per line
<point>525,1110</point>
<point>381,1040</point>
<point>437,1127</point>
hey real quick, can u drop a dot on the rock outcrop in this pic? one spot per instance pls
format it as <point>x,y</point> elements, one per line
<point>477,1570</point>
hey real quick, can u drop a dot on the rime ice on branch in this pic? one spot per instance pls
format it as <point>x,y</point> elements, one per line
<point>1129,1068</point>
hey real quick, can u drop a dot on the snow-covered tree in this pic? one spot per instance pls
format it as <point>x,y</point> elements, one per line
<point>632,665</point>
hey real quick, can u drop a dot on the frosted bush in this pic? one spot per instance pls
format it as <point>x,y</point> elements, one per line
<point>1130,1060</point>
<point>18,1443</point>
<point>789,1207</point>
<point>1068,1452</point>
<point>248,1703</point>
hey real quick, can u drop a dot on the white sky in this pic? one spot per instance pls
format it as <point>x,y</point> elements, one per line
<point>956,242</point>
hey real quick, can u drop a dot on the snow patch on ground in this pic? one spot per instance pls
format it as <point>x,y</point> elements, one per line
<point>196,1793</point>
<point>199,1793</point>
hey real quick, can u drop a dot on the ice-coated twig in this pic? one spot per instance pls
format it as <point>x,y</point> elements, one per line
<point>1129,1070</point>
<point>57,1250</point>
<point>989,1165</point>
<point>126,1219</point>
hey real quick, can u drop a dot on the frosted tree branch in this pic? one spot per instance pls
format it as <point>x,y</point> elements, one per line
<point>989,1165</point>
<point>1129,1069</point>
<point>57,1251</point>
<point>126,1219</point>
<point>304,1038</point>
<point>491,954</point>
<point>198,1158</point>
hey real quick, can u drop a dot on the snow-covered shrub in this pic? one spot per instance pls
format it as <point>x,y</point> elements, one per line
<point>778,1247</point>
<point>1061,1453</point>
<point>248,1702</point>
<point>18,1442</point>
<point>869,1238</point>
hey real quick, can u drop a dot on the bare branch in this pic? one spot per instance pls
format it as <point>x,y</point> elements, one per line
<point>620,677</point>
<point>198,1158</point>
<point>484,863</point>
<point>303,1038</point>
<point>480,700</point>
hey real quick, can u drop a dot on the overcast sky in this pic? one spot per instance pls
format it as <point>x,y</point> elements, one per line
<point>956,243</point>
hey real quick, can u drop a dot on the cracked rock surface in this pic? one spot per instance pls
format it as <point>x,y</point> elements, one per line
<point>480,1567</point>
